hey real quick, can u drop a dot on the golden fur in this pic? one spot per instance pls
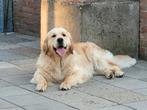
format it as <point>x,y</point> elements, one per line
<point>79,64</point>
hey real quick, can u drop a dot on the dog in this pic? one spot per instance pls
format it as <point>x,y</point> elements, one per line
<point>68,63</point>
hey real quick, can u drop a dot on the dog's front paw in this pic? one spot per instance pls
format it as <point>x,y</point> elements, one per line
<point>65,86</point>
<point>41,87</point>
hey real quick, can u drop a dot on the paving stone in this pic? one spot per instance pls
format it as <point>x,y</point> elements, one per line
<point>125,97</point>
<point>25,51</point>
<point>28,65</point>
<point>13,39</point>
<point>143,79</point>
<point>51,105</point>
<point>26,100</point>
<point>19,79</point>
<point>130,84</point>
<point>77,99</point>
<point>6,65</point>
<point>111,93</point>
<point>5,105</point>
<point>98,88</point>
<point>28,68</point>
<point>12,91</point>
<point>24,62</point>
<point>125,82</point>
<point>118,107</point>
<point>136,73</point>
<point>4,84</point>
<point>4,72</point>
<point>30,38</point>
<point>30,87</point>
<point>141,91</point>
<point>34,44</point>
<point>138,105</point>
<point>4,46</point>
<point>141,64</point>
<point>14,109</point>
<point>72,97</point>
<point>8,56</point>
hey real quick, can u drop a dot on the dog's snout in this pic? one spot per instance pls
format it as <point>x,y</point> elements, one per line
<point>60,40</point>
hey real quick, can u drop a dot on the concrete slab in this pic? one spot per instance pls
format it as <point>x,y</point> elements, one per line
<point>141,91</point>
<point>4,72</point>
<point>125,82</point>
<point>25,51</point>
<point>111,93</point>
<point>4,83</point>
<point>18,79</point>
<point>27,99</point>
<point>77,99</point>
<point>12,91</point>
<point>6,65</point>
<point>138,105</point>
<point>35,44</point>
<point>118,107</point>
<point>24,62</point>
<point>8,56</point>
<point>5,105</point>
<point>50,105</point>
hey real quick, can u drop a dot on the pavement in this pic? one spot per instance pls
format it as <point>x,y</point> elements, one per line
<point>18,55</point>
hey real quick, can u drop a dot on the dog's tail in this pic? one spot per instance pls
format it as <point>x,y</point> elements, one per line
<point>124,61</point>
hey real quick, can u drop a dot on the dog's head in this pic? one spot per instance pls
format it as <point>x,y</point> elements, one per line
<point>59,42</point>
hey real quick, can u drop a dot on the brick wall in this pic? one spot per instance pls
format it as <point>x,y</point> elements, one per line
<point>27,16</point>
<point>143,29</point>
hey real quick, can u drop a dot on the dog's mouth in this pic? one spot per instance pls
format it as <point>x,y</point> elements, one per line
<point>60,50</point>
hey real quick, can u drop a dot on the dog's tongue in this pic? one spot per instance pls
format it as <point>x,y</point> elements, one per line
<point>61,51</point>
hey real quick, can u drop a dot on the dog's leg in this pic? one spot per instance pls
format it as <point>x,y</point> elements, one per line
<point>110,70</point>
<point>41,82</point>
<point>72,80</point>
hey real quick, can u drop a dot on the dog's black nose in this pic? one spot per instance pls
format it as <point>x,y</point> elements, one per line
<point>60,40</point>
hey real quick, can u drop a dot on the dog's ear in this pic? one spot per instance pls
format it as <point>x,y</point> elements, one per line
<point>45,46</point>
<point>71,48</point>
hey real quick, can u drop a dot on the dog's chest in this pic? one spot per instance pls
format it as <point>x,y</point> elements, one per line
<point>58,72</point>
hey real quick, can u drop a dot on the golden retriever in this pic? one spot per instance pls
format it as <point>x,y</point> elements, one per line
<point>62,61</point>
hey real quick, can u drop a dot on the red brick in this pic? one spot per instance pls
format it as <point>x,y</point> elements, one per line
<point>27,16</point>
<point>144,29</point>
<point>143,5</point>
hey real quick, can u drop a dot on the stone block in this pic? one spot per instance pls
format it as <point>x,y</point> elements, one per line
<point>111,24</point>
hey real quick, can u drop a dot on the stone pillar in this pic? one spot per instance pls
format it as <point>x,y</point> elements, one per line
<point>43,20</point>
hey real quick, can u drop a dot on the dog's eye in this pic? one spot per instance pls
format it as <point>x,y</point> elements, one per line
<point>54,35</point>
<point>63,34</point>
